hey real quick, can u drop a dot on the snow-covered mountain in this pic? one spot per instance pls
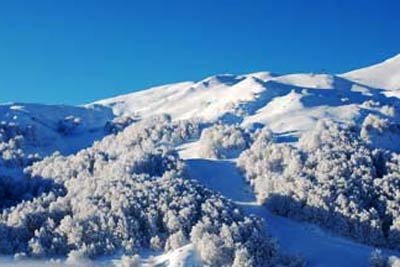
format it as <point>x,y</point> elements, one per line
<point>383,75</point>
<point>314,155</point>
<point>292,102</point>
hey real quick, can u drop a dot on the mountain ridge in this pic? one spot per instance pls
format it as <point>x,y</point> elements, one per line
<point>245,98</point>
<point>384,75</point>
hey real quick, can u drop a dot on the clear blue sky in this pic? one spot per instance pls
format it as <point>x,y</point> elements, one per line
<point>77,51</point>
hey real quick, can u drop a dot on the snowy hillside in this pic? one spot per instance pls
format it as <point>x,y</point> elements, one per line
<point>63,128</point>
<point>246,170</point>
<point>384,75</point>
<point>286,103</point>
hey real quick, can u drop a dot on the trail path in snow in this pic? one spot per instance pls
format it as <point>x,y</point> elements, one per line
<point>317,246</point>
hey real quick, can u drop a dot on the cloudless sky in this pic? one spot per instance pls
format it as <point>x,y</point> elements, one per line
<point>77,51</point>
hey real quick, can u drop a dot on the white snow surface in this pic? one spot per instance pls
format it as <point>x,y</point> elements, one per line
<point>385,75</point>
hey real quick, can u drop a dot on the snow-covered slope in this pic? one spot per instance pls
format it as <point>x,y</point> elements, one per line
<point>56,127</point>
<point>384,75</point>
<point>207,99</point>
<point>286,103</point>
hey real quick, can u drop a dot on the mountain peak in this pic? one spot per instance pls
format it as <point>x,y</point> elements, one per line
<point>395,58</point>
<point>384,75</point>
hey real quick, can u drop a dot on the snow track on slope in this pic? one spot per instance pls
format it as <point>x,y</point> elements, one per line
<point>318,247</point>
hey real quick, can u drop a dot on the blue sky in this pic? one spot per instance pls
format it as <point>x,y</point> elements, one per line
<point>77,51</point>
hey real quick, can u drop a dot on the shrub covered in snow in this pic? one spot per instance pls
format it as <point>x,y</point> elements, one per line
<point>129,192</point>
<point>381,132</point>
<point>223,141</point>
<point>14,143</point>
<point>332,178</point>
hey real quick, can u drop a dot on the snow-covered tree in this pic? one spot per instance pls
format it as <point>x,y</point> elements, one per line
<point>223,141</point>
<point>381,132</point>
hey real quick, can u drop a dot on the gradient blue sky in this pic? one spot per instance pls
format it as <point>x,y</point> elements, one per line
<point>77,51</point>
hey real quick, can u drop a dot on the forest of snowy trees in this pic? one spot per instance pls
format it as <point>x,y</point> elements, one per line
<point>338,176</point>
<point>127,192</point>
<point>15,154</point>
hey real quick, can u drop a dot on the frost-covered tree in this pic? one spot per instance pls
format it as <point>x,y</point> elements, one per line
<point>223,141</point>
<point>381,132</point>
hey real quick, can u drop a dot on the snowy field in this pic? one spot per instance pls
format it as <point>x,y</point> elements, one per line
<point>234,170</point>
